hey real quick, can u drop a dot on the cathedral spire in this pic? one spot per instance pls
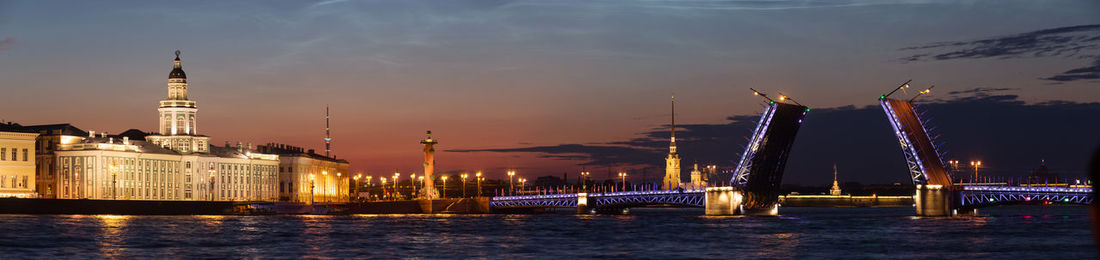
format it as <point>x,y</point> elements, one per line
<point>672,128</point>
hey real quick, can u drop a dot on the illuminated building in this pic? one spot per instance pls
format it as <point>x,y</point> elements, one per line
<point>672,162</point>
<point>17,161</point>
<point>330,176</point>
<point>49,137</point>
<point>698,180</point>
<point>174,164</point>
<point>835,190</point>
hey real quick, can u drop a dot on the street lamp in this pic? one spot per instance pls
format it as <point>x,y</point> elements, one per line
<point>522,183</point>
<point>114,182</point>
<point>356,189</point>
<point>464,185</point>
<point>584,180</point>
<point>421,179</point>
<point>443,193</point>
<point>623,176</point>
<point>511,186</point>
<point>412,182</point>
<point>311,177</point>
<point>383,187</point>
<point>212,183</point>
<point>976,164</point>
<point>368,185</point>
<point>478,175</point>
<point>395,190</point>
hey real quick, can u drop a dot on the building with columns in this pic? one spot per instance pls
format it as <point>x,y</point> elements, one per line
<point>176,163</point>
<point>308,177</point>
<point>17,161</point>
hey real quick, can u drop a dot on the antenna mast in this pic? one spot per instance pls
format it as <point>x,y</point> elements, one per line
<point>328,136</point>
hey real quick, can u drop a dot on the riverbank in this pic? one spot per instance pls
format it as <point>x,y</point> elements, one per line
<point>840,201</point>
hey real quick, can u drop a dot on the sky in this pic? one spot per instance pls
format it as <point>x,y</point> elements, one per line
<point>549,87</point>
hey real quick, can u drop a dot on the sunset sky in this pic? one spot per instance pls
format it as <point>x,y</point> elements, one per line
<point>548,87</point>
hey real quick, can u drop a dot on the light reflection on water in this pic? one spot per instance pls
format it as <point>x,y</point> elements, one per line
<point>1009,232</point>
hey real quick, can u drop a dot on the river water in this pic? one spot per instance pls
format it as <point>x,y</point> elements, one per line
<point>1021,232</point>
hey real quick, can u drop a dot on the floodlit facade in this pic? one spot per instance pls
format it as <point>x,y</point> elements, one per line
<point>175,164</point>
<point>17,161</point>
<point>308,177</point>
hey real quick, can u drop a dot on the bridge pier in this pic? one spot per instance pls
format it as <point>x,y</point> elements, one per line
<point>933,201</point>
<point>722,201</point>
<point>582,203</point>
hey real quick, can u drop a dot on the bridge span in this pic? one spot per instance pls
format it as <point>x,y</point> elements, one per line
<point>754,188</point>
<point>936,194</point>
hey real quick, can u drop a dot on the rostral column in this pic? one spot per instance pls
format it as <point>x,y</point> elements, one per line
<point>429,192</point>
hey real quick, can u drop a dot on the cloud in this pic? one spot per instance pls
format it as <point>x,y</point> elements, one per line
<point>980,91</point>
<point>1009,135</point>
<point>1084,73</point>
<point>1082,41</point>
<point>6,43</point>
<point>1063,41</point>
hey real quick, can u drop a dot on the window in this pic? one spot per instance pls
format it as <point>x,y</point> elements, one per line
<point>14,154</point>
<point>25,154</point>
<point>3,154</point>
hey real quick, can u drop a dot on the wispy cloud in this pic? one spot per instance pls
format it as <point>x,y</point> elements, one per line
<point>1082,41</point>
<point>6,43</point>
<point>1069,41</point>
<point>1084,73</point>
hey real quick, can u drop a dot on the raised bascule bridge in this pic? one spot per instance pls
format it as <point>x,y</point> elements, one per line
<point>754,188</point>
<point>936,194</point>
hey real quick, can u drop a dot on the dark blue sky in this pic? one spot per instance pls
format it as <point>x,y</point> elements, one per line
<point>520,74</point>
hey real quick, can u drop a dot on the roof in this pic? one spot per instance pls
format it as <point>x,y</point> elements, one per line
<point>13,127</point>
<point>65,128</point>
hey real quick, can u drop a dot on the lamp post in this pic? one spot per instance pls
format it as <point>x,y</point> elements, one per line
<point>443,192</point>
<point>212,183</point>
<point>976,164</point>
<point>463,185</point>
<point>522,183</point>
<point>412,182</point>
<point>478,175</point>
<point>311,177</point>
<point>383,186</point>
<point>395,190</point>
<point>421,179</point>
<point>114,182</point>
<point>356,189</point>
<point>623,176</point>
<point>368,186</point>
<point>511,186</point>
<point>584,180</point>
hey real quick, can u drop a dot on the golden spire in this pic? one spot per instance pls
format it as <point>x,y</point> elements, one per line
<point>672,128</point>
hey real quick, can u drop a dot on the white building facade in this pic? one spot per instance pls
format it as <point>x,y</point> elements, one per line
<point>17,161</point>
<point>174,164</point>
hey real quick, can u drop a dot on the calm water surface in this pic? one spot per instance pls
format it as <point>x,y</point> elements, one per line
<point>1023,232</point>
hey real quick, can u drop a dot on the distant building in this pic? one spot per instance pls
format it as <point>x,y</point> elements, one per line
<point>698,179</point>
<point>17,161</point>
<point>1042,174</point>
<point>175,164</point>
<point>305,176</point>
<point>835,190</point>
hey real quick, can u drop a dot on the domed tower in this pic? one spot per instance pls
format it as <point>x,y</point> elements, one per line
<point>178,128</point>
